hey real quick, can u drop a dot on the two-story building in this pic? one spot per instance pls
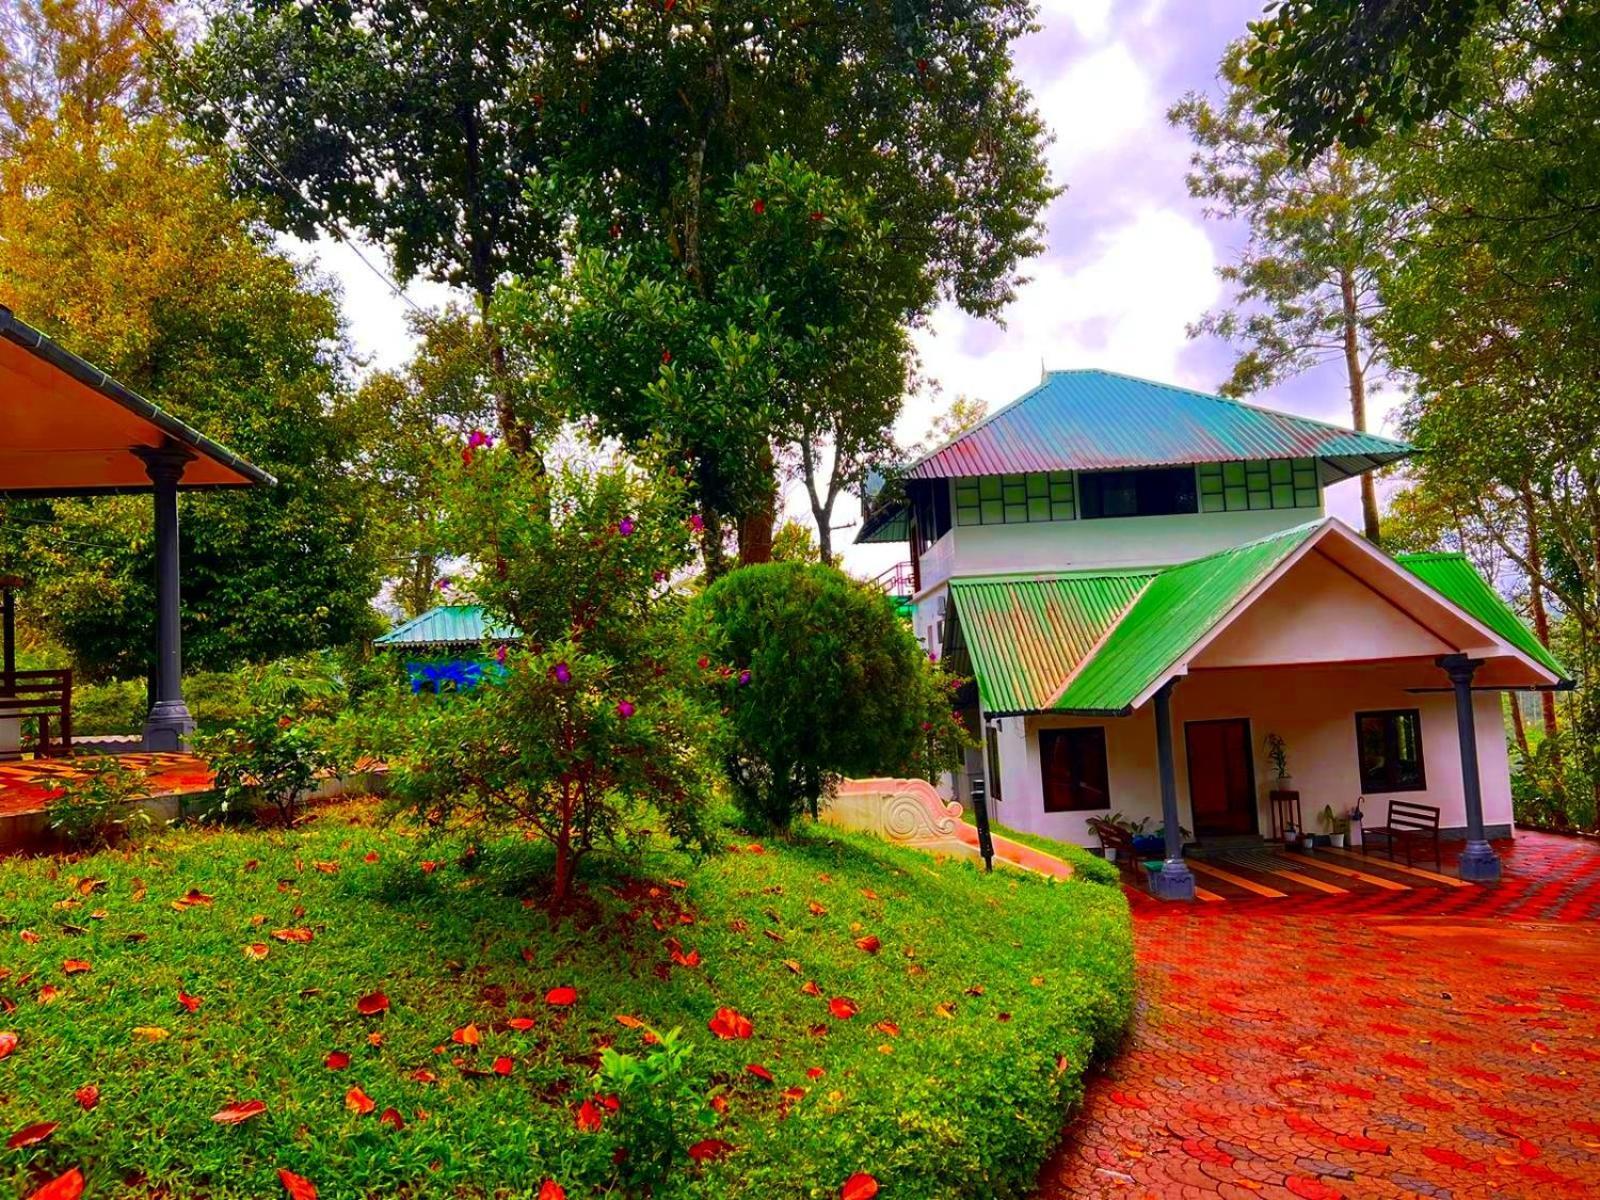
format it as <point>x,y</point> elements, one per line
<point>1144,585</point>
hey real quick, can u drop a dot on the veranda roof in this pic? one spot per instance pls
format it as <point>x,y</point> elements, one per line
<point>449,625</point>
<point>1099,643</point>
<point>67,428</point>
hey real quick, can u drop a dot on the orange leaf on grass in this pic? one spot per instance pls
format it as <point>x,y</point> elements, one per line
<point>467,1035</point>
<point>358,1101</point>
<point>74,966</point>
<point>371,856</point>
<point>193,898</point>
<point>503,1065</point>
<point>295,1186</point>
<point>293,935</point>
<point>759,1071</point>
<point>392,1118</point>
<point>588,1118</point>
<point>859,1186</point>
<point>730,1025</point>
<point>792,965</point>
<point>870,943</point>
<point>49,994</point>
<point>32,1135</point>
<point>888,1027</point>
<point>810,988</point>
<point>256,950</point>
<point>87,1096</point>
<point>815,1072</point>
<point>192,1003</point>
<point>520,1024</point>
<point>337,1060</point>
<point>816,909</point>
<point>423,1075</point>
<point>29,937</point>
<point>62,1187</point>
<point>372,1004</point>
<point>551,1190</point>
<point>709,1149</point>
<point>561,997</point>
<point>8,1042</point>
<point>843,1008</point>
<point>239,1111</point>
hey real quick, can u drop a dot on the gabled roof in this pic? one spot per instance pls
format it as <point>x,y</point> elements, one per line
<point>1092,643</point>
<point>1090,420</point>
<point>68,428</point>
<point>448,625</point>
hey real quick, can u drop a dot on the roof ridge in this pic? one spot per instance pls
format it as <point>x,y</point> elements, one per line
<point>1302,529</point>
<point>966,433</point>
<point>1053,575</point>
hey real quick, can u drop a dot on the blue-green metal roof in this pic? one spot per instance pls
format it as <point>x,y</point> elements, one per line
<point>448,625</point>
<point>1091,420</point>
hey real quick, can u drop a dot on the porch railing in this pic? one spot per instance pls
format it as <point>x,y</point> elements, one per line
<point>897,580</point>
<point>46,698</point>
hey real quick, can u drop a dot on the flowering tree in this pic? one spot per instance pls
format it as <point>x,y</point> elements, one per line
<point>594,722</point>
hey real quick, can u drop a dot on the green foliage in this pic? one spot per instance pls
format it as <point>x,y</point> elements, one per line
<point>660,1104</point>
<point>962,1107</point>
<point>594,728</point>
<point>268,758</point>
<point>822,680</point>
<point>100,804</point>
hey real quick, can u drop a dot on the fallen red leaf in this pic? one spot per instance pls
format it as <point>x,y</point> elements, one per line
<point>392,1118</point>
<point>358,1101</point>
<point>371,856</point>
<point>29,937</point>
<point>467,1035</point>
<point>74,966</point>
<point>588,1118</point>
<point>551,1190</point>
<point>730,1025</point>
<point>192,898</point>
<point>293,935</point>
<point>256,950</point>
<point>888,1027</point>
<point>859,1186</point>
<point>239,1110</point>
<point>62,1187</point>
<point>816,909</point>
<point>337,1060</point>
<point>8,1042</point>
<point>423,1075</point>
<point>815,1072</point>
<point>32,1135</point>
<point>87,1096</point>
<point>759,1071</point>
<point>520,1024</point>
<point>870,943</point>
<point>503,1065</point>
<point>709,1149</point>
<point>561,997</point>
<point>297,1187</point>
<point>372,1003</point>
<point>843,1007</point>
<point>192,1003</point>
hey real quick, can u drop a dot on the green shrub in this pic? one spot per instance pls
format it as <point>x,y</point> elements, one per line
<point>114,706</point>
<point>821,679</point>
<point>102,801</point>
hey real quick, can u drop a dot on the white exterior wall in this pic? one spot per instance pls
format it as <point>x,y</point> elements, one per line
<point>1313,709</point>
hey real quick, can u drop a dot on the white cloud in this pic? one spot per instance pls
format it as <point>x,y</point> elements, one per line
<point>1096,107</point>
<point>1091,18</point>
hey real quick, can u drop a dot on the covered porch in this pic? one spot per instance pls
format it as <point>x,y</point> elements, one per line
<point>1151,696</point>
<point>69,430</point>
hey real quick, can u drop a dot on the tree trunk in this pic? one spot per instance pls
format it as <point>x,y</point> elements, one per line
<point>1358,399</point>
<point>1518,728</point>
<point>1541,616</point>
<point>756,524</point>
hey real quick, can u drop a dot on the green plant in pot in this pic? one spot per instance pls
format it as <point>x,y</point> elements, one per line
<point>1338,827</point>
<point>1278,755</point>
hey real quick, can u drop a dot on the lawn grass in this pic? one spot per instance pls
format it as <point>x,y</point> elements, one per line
<point>977,1017</point>
<point>1089,865</point>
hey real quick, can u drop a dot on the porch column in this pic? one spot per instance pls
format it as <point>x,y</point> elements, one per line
<point>1174,881</point>
<point>169,724</point>
<point>1479,862</point>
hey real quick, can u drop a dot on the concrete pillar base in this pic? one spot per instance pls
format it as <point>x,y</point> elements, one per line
<point>168,726</point>
<point>1174,881</point>
<point>1479,863</point>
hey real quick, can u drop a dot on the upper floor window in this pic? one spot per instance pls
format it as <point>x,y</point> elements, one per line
<point>1267,483</point>
<point>1150,492</point>
<point>931,507</point>
<point>1015,499</point>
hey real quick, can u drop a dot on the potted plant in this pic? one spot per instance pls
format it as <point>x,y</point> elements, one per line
<point>1278,752</point>
<point>1337,827</point>
<point>1291,835</point>
<point>1354,820</point>
<point>1113,831</point>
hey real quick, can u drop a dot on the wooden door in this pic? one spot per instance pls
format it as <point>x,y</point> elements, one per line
<point>1222,787</point>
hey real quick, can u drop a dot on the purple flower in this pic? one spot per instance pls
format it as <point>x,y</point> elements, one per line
<point>500,655</point>
<point>625,527</point>
<point>443,585</point>
<point>624,709</point>
<point>561,673</point>
<point>478,438</point>
<point>660,576</point>
<point>744,677</point>
<point>697,523</point>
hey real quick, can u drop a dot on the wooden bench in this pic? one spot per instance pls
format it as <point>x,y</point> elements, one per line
<point>1408,824</point>
<point>46,696</point>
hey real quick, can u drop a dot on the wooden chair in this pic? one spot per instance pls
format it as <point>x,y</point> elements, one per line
<point>1408,824</point>
<point>46,696</point>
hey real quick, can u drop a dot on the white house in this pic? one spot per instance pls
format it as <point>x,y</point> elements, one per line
<point>1144,586</point>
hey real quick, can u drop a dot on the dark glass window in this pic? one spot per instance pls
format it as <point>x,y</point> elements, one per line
<point>1154,492</point>
<point>992,767</point>
<point>932,507</point>
<point>1389,745</point>
<point>1074,766</point>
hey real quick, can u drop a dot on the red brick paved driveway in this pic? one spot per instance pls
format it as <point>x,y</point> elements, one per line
<point>1436,1042</point>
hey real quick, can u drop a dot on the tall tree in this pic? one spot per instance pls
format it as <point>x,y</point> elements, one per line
<point>418,126</point>
<point>77,59</point>
<point>1305,286</point>
<point>119,241</point>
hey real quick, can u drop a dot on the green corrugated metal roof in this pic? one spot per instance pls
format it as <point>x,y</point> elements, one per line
<point>1179,607</point>
<point>1025,634</point>
<point>1091,420</point>
<point>448,625</point>
<point>1454,578</point>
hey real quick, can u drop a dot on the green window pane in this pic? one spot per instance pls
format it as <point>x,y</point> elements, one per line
<point>1281,470</point>
<point>1211,485</point>
<point>1260,499</point>
<point>1212,502</point>
<point>966,491</point>
<point>1256,474</point>
<point>1061,491</point>
<point>1038,508</point>
<point>989,487</point>
<point>1233,473</point>
<point>994,513</point>
<point>1305,464</point>
<point>968,516</point>
<point>1305,476</point>
<point>1282,495</point>
<point>1238,499</point>
<point>1210,470</point>
<point>1038,485</point>
<point>1305,497</point>
<point>1061,477</point>
<point>1061,510</point>
<point>1017,514</point>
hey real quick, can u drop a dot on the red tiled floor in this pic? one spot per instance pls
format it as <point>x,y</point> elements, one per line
<point>1436,1042</point>
<point>27,786</point>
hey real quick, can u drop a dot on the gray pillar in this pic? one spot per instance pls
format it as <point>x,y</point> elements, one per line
<point>1479,862</point>
<point>1174,881</point>
<point>8,638</point>
<point>169,724</point>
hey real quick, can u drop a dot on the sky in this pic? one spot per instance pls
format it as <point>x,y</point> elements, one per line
<point>1130,260</point>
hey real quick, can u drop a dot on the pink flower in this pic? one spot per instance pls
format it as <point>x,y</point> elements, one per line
<point>625,527</point>
<point>561,673</point>
<point>478,438</point>
<point>744,677</point>
<point>500,655</point>
<point>660,576</point>
<point>624,709</point>
<point>697,523</point>
<point>443,585</point>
